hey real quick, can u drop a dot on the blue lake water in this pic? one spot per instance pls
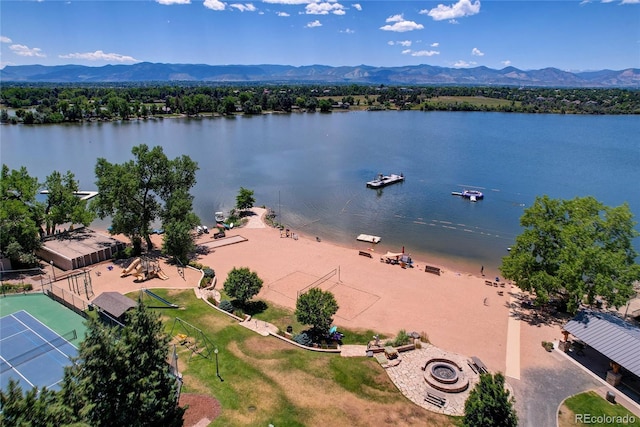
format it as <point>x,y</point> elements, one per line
<point>312,169</point>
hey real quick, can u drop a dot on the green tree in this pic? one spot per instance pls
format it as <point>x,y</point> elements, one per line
<point>121,376</point>
<point>20,216</point>
<point>244,199</point>
<point>34,408</point>
<point>242,284</point>
<point>325,106</point>
<point>62,204</point>
<point>178,222</point>
<point>575,249</point>
<point>131,193</point>
<point>490,404</point>
<point>316,308</point>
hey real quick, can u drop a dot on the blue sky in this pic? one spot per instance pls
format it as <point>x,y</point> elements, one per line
<point>569,35</point>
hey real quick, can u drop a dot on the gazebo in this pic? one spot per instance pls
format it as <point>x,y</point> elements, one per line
<point>611,336</point>
<point>113,306</point>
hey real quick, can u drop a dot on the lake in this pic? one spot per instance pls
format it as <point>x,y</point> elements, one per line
<point>311,168</point>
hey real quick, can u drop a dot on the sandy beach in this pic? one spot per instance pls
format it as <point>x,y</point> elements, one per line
<point>457,310</point>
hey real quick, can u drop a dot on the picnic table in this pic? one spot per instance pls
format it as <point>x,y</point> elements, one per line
<point>390,352</point>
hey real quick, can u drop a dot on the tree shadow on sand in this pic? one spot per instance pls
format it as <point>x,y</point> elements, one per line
<point>524,309</point>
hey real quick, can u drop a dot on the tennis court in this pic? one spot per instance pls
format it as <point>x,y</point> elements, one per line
<point>32,352</point>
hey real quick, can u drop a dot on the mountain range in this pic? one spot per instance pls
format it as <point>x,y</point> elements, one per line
<point>320,74</point>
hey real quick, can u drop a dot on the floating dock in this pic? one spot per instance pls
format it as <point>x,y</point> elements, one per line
<point>473,195</point>
<point>368,238</point>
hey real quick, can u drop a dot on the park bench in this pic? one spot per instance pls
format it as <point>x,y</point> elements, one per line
<point>432,270</point>
<point>435,398</point>
<point>365,253</point>
<point>480,367</point>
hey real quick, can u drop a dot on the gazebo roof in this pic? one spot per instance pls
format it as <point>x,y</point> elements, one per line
<point>610,335</point>
<point>114,303</point>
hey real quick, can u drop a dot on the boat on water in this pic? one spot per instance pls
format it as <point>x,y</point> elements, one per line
<point>473,195</point>
<point>384,180</point>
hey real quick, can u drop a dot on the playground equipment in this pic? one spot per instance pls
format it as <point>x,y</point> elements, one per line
<point>80,283</point>
<point>134,264</point>
<point>167,304</point>
<point>192,338</point>
<point>144,269</point>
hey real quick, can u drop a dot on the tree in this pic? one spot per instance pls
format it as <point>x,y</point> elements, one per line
<point>131,193</point>
<point>33,408</point>
<point>121,376</point>
<point>490,404</point>
<point>63,205</point>
<point>179,221</point>
<point>20,216</point>
<point>244,199</point>
<point>242,284</point>
<point>316,308</point>
<point>575,248</point>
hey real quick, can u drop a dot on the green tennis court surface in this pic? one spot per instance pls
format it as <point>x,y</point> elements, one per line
<point>37,337</point>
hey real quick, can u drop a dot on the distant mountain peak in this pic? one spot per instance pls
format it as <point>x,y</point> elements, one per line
<point>320,74</point>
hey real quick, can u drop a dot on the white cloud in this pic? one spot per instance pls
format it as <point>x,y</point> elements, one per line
<point>22,50</point>
<point>99,55</point>
<point>4,39</point>
<point>405,43</point>
<point>630,2</point>
<point>247,7</point>
<point>285,14</point>
<point>313,24</point>
<point>420,52</point>
<point>434,44</point>
<point>348,31</point>
<point>214,4</point>
<point>506,63</point>
<point>476,52</point>
<point>462,64</point>
<point>400,25</point>
<point>395,18</point>
<point>459,10</point>
<point>357,6</point>
<point>324,8</point>
<point>170,2</point>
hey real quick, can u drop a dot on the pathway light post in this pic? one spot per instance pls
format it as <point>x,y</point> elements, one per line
<point>53,270</point>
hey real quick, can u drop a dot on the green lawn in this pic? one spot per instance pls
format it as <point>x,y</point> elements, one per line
<point>591,409</point>
<point>267,381</point>
<point>472,100</point>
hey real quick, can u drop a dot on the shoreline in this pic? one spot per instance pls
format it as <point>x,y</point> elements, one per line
<point>455,309</point>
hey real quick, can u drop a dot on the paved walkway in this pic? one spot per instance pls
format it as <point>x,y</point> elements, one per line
<point>513,342</point>
<point>408,376</point>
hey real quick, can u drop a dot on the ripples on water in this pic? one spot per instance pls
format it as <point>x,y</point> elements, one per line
<point>313,168</point>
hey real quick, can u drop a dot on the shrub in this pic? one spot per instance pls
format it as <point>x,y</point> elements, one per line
<point>226,305</point>
<point>303,339</point>
<point>401,339</point>
<point>209,273</point>
<point>19,287</point>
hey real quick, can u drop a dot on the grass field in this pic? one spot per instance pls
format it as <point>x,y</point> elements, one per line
<point>267,381</point>
<point>584,408</point>
<point>472,100</point>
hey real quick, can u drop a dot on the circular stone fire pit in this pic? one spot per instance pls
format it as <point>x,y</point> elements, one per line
<point>445,375</point>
